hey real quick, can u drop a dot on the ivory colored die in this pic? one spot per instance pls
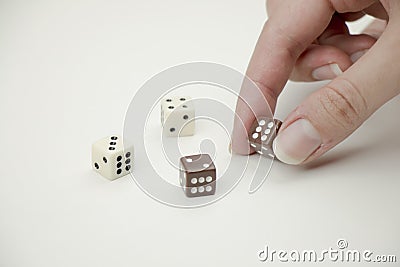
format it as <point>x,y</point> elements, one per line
<point>177,116</point>
<point>110,159</point>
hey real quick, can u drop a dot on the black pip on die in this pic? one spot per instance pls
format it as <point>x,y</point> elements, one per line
<point>177,116</point>
<point>197,175</point>
<point>110,159</point>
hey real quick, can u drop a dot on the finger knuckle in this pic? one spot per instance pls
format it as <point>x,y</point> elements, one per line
<point>266,90</point>
<point>343,6</point>
<point>340,5</point>
<point>345,103</point>
<point>290,46</point>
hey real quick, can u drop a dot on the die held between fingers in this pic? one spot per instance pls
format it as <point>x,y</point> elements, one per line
<point>297,142</point>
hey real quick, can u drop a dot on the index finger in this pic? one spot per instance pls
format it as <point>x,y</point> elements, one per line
<point>292,26</point>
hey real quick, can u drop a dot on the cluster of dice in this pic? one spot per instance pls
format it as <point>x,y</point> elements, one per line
<point>197,172</point>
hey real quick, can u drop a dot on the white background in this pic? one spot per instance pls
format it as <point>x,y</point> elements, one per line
<point>68,70</point>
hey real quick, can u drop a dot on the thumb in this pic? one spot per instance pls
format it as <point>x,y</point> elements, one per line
<point>332,113</point>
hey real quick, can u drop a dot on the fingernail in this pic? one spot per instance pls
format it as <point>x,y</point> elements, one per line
<point>297,142</point>
<point>327,72</point>
<point>356,56</point>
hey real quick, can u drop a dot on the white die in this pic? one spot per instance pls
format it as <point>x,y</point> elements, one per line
<point>110,159</point>
<point>177,116</point>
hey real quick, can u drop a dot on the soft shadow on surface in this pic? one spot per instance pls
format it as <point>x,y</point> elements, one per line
<point>282,173</point>
<point>379,145</point>
<point>337,157</point>
<point>376,142</point>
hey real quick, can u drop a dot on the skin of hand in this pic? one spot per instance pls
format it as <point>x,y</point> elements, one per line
<point>308,40</point>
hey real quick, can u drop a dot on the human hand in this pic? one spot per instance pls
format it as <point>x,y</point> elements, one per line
<point>308,40</point>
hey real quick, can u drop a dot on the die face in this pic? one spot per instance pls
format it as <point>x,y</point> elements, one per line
<point>198,175</point>
<point>197,185</point>
<point>110,159</point>
<point>177,116</point>
<point>261,135</point>
<point>179,124</point>
<point>196,163</point>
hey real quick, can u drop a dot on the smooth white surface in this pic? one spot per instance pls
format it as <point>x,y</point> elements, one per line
<point>67,73</point>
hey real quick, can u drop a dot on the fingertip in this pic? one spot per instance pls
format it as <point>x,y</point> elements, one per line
<point>321,63</point>
<point>240,148</point>
<point>357,55</point>
<point>297,142</point>
<point>326,72</point>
